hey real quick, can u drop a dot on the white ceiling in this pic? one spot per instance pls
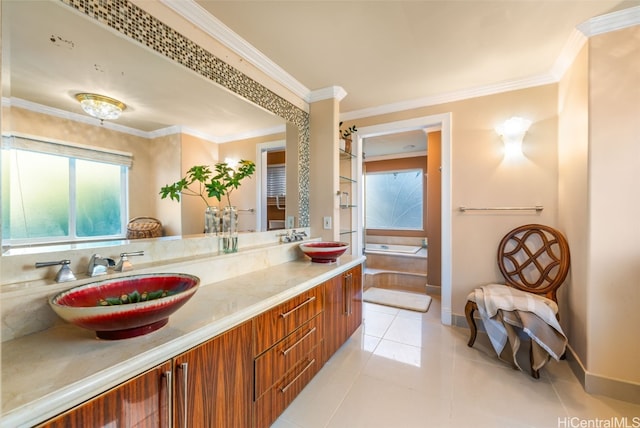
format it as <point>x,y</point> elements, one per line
<point>383,53</point>
<point>387,52</point>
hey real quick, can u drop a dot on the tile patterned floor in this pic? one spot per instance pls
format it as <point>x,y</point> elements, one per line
<point>404,369</point>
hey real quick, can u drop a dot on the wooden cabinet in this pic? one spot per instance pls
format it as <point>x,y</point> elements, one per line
<point>244,377</point>
<point>140,402</point>
<point>207,386</point>
<point>213,382</point>
<point>343,308</point>
<point>288,353</point>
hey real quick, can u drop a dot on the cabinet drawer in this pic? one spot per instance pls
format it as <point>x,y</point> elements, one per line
<point>275,400</point>
<point>277,323</point>
<point>273,364</point>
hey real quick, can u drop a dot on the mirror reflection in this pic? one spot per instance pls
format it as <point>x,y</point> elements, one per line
<point>172,119</point>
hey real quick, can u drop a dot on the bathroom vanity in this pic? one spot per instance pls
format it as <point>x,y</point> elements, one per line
<point>235,355</point>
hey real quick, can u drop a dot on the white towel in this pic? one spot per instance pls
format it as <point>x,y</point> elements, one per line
<point>505,309</point>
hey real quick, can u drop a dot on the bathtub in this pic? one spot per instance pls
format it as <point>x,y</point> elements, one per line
<point>392,248</point>
<point>396,267</point>
<point>401,281</point>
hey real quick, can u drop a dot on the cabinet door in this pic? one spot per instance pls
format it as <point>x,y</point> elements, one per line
<point>213,382</point>
<point>336,308</point>
<point>353,283</point>
<point>343,308</point>
<point>140,402</point>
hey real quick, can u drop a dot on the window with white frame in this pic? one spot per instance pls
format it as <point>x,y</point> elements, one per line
<point>59,192</point>
<point>394,200</point>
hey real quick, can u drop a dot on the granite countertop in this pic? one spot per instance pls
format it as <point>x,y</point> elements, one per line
<point>46,373</point>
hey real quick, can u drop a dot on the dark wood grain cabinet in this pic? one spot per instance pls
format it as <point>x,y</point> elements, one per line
<point>213,382</point>
<point>140,402</point>
<point>244,377</point>
<point>343,308</point>
<point>288,353</point>
<point>207,386</point>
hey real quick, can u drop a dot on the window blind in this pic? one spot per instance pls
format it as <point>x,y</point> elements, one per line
<point>276,180</point>
<point>61,148</point>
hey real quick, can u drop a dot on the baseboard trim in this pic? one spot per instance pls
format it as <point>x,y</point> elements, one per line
<point>601,385</point>
<point>433,290</point>
<point>592,383</point>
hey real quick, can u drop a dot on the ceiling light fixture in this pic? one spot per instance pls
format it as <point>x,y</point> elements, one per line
<point>512,132</point>
<point>100,106</point>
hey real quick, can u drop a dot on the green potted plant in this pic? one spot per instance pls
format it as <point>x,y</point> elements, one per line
<point>200,181</point>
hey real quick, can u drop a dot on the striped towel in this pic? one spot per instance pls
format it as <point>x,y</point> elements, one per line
<point>506,310</point>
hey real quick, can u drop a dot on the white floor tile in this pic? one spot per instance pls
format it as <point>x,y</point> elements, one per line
<point>405,369</point>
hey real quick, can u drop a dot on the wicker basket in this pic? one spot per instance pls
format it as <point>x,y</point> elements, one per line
<point>144,227</point>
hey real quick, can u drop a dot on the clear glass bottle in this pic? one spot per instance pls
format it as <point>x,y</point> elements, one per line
<point>211,221</point>
<point>229,229</point>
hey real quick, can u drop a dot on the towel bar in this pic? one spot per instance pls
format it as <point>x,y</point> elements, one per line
<point>536,208</point>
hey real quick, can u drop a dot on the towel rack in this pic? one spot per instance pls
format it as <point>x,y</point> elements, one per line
<point>536,208</point>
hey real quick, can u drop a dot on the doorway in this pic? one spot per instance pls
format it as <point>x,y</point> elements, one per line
<point>271,190</point>
<point>443,123</point>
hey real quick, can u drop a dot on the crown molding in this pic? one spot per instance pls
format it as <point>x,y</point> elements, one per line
<point>568,54</point>
<point>211,25</point>
<point>330,92</point>
<point>170,130</point>
<point>63,114</point>
<point>611,22</point>
<point>252,134</point>
<point>479,91</point>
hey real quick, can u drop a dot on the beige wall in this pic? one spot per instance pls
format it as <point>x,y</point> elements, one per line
<point>195,151</point>
<point>613,259</point>
<point>573,147</point>
<point>482,177</point>
<point>323,173</point>
<point>244,198</point>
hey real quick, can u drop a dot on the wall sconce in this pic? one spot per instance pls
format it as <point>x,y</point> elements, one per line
<point>512,132</point>
<point>100,106</point>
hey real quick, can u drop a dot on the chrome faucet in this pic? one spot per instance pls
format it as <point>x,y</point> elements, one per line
<point>292,236</point>
<point>299,236</point>
<point>64,274</point>
<point>99,265</point>
<point>125,264</point>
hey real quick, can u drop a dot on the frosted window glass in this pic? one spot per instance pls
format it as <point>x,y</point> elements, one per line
<point>393,200</point>
<point>35,198</point>
<point>52,198</point>
<point>98,210</point>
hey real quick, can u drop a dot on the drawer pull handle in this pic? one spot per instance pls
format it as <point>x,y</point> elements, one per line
<point>169,387</point>
<point>290,348</point>
<point>285,388</point>
<point>309,300</point>
<point>185,389</point>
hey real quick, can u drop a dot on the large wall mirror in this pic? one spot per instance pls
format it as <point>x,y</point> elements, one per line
<point>184,106</point>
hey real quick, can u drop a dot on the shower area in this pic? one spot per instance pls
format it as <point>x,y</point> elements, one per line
<point>402,212</point>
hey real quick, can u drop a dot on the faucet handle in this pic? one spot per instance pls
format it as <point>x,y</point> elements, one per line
<point>124,264</point>
<point>64,274</point>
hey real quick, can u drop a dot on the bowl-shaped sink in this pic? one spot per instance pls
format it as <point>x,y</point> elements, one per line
<point>324,252</point>
<point>125,307</point>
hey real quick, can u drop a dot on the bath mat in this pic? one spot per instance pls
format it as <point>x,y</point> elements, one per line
<point>397,299</point>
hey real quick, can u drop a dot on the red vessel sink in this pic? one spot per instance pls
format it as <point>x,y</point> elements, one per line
<point>324,251</point>
<point>125,307</point>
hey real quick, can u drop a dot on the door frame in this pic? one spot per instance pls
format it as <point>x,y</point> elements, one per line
<point>444,122</point>
<point>261,187</point>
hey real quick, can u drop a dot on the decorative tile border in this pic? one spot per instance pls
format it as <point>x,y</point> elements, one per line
<point>133,22</point>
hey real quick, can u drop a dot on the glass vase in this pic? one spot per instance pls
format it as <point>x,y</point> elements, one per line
<point>211,221</point>
<point>229,230</point>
